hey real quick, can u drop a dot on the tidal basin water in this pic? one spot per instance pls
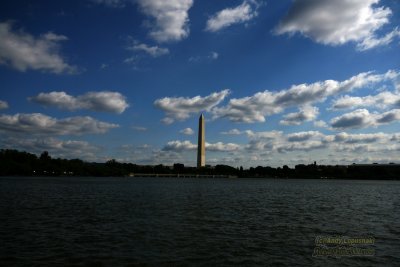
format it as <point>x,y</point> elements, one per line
<point>194,222</point>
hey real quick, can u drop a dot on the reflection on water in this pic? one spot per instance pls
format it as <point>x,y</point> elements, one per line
<point>224,222</point>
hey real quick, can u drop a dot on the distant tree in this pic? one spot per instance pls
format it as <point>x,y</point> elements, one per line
<point>45,156</point>
<point>179,167</point>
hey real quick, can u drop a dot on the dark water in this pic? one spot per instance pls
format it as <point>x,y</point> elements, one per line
<point>193,222</point>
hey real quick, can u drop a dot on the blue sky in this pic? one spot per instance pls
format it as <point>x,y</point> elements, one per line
<point>279,82</point>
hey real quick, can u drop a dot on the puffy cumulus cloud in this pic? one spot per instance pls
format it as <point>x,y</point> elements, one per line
<point>55,147</point>
<point>40,124</point>
<point>387,117</point>
<point>395,137</point>
<point>362,118</point>
<point>171,18</point>
<point>276,142</point>
<point>381,100</point>
<point>3,104</point>
<point>179,146</point>
<point>262,104</point>
<point>154,51</point>
<point>222,147</point>
<point>106,101</point>
<point>180,108</point>
<point>22,51</point>
<point>338,22</point>
<point>301,146</point>
<point>166,157</point>
<point>360,138</point>
<point>187,131</point>
<point>306,113</point>
<point>320,124</point>
<point>327,148</point>
<point>303,136</point>
<point>356,119</point>
<point>229,16</point>
<point>269,135</point>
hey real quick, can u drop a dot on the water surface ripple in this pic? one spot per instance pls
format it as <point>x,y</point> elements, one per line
<point>193,222</point>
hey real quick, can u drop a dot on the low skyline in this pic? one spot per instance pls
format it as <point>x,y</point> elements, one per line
<point>278,82</point>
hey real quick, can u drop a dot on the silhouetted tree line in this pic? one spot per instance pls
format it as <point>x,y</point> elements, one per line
<point>13,162</point>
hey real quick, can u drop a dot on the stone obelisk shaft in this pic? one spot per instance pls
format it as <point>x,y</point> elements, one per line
<point>201,147</point>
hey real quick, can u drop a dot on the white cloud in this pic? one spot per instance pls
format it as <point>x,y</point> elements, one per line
<point>55,147</point>
<point>22,51</point>
<point>302,136</point>
<point>338,22</point>
<point>360,138</point>
<point>255,108</point>
<point>320,124</point>
<point>3,104</point>
<point>171,18</point>
<point>372,41</point>
<point>381,100</point>
<point>267,135</point>
<point>40,124</point>
<point>110,3</point>
<point>180,108</point>
<point>306,113</point>
<point>131,60</point>
<point>356,119</point>
<point>106,101</point>
<point>301,146</point>
<point>167,121</point>
<point>222,147</point>
<point>362,118</point>
<point>154,51</point>
<point>187,131</point>
<point>325,148</point>
<point>232,132</point>
<point>229,16</point>
<point>213,55</point>
<point>179,146</point>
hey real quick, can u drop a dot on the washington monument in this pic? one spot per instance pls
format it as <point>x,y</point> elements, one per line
<point>201,146</point>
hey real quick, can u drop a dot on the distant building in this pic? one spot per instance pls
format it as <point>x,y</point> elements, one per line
<point>201,145</point>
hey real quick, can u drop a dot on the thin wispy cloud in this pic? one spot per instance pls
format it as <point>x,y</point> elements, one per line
<point>111,3</point>
<point>242,13</point>
<point>306,113</point>
<point>154,51</point>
